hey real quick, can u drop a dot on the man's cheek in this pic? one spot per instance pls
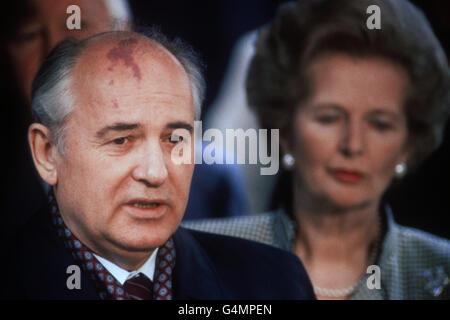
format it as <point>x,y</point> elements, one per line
<point>183,180</point>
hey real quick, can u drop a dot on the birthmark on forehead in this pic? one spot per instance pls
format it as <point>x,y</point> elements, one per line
<point>115,104</point>
<point>124,52</point>
<point>111,82</point>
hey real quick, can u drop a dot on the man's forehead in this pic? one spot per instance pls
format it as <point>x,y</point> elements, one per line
<point>121,47</point>
<point>123,56</point>
<point>122,71</point>
<point>126,59</point>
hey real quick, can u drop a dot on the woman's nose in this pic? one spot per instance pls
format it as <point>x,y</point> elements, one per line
<point>352,141</point>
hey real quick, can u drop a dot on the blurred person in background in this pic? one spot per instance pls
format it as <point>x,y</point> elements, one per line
<point>44,25</point>
<point>30,30</point>
<point>356,108</point>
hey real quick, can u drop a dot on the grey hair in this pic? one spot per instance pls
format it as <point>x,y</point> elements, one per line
<point>193,68</point>
<point>53,99</point>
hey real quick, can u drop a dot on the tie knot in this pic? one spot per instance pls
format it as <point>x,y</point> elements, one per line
<point>139,287</point>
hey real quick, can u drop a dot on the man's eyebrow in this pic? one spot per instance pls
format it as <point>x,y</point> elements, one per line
<point>120,126</point>
<point>180,125</point>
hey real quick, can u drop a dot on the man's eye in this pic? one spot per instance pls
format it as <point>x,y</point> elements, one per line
<point>174,138</point>
<point>120,141</point>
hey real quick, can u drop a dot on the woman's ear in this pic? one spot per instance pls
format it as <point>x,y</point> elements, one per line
<point>285,142</point>
<point>408,150</point>
<point>44,152</point>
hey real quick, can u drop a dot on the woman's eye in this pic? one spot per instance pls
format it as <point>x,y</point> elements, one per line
<point>327,118</point>
<point>120,141</point>
<point>381,125</point>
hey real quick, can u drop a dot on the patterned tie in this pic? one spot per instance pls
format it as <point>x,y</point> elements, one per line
<point>139,287</point>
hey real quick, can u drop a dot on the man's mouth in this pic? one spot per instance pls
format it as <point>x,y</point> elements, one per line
<point>147,208</point>
<point>144,204</point>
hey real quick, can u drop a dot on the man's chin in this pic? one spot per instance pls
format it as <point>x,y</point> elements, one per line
<point>143,237</point>
<point>140,244</point>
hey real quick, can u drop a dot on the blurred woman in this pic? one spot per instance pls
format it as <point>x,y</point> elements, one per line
<point>356,108</point>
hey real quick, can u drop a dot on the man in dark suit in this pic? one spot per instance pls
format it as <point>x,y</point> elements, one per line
<point>114,119</point>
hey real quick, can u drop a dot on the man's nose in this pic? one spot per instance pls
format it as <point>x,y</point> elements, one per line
<point>352,141</point>
<point>151,167</point>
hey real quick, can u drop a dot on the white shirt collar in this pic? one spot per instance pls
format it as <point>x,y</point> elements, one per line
<point>122,275</point>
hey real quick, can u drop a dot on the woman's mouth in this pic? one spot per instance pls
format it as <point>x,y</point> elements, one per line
<point>347,176</point>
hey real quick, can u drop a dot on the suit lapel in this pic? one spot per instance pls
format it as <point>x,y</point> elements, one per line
<point>44,261</point>
<point>195,277</point>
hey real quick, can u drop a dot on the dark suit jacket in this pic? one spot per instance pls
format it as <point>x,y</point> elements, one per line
<point>207,267</point>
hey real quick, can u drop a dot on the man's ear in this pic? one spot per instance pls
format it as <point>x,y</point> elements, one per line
<point>44,152</point>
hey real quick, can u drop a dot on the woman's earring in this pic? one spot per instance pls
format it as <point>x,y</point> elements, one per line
<point>288,161</point>
<point>400,170</point>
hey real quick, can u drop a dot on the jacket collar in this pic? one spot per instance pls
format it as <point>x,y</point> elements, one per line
<point>194,274</point>
<point>44,261</point>
<point>398,269</point>
<point>393,262</point>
